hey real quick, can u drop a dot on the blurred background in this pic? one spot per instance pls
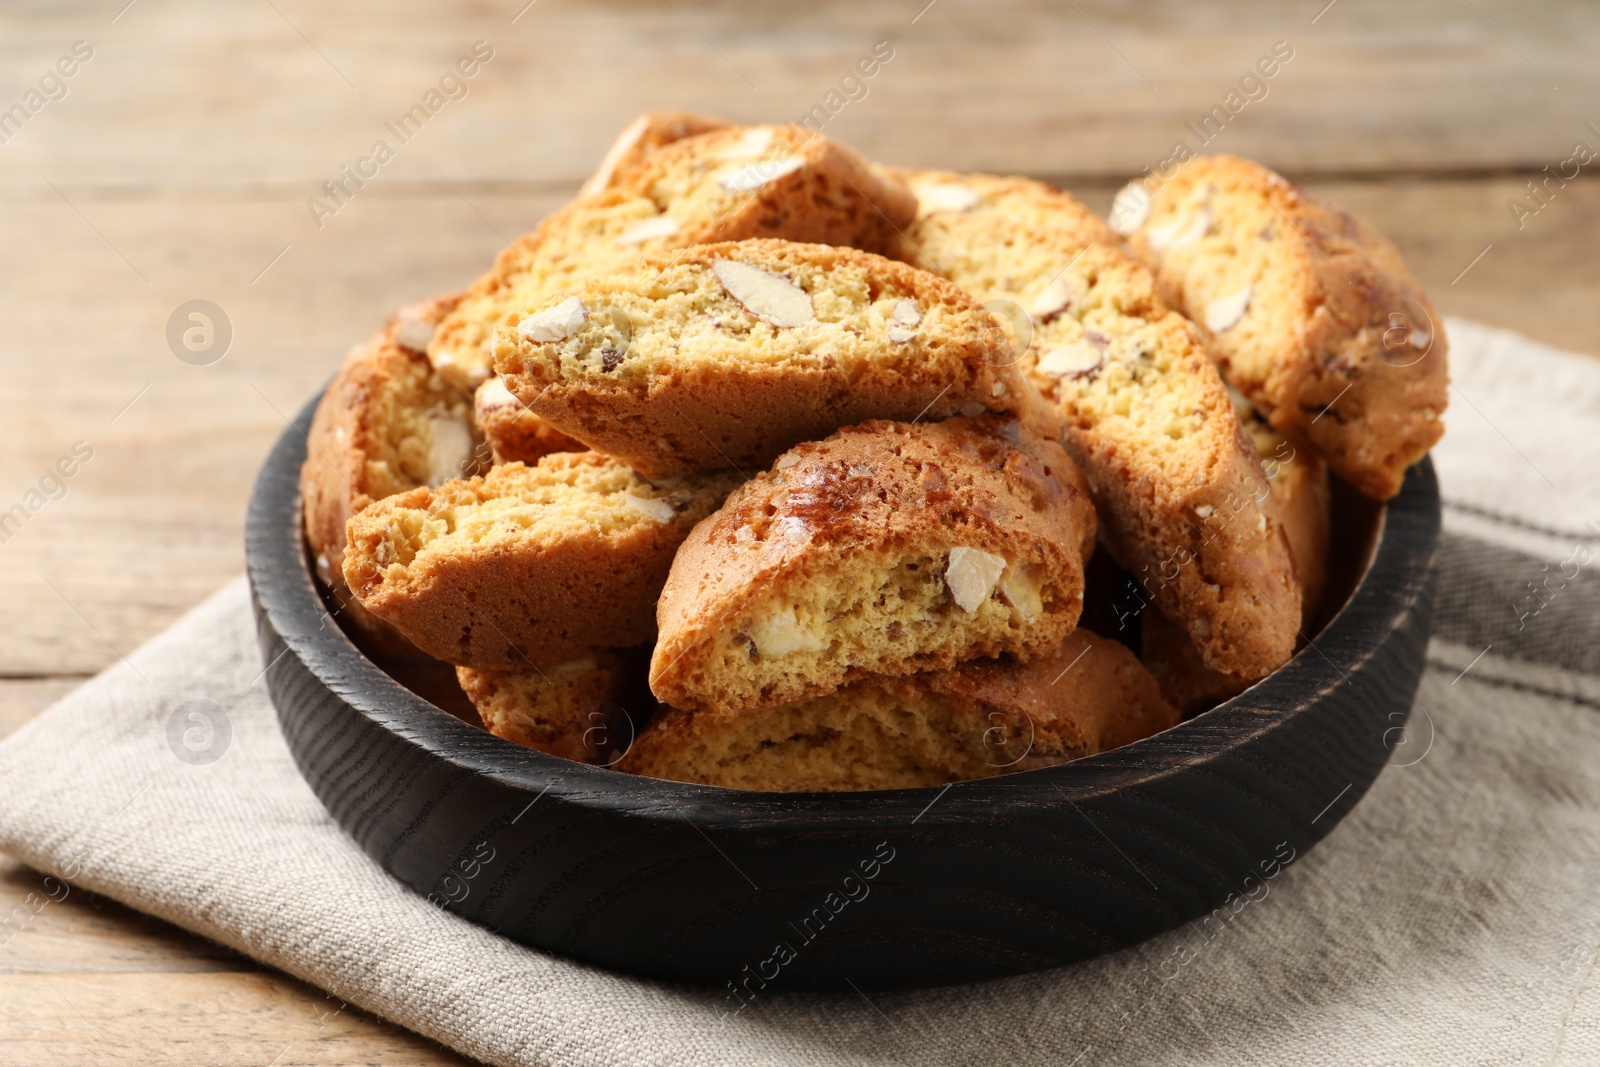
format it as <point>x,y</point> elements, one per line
<point>155,153</point>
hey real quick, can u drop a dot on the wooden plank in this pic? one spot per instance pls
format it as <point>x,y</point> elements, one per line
<point>153,523</point>
<point>210,1020</point>
<point>86,980</point>
<point>230,96</point>
<point>56,929</point>
<point>23,698</point>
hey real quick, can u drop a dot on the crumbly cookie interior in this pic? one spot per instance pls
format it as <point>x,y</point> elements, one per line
<point>670,321</point>
<point>881,613</point>
<point>564,495</point>
<point>863,737</point>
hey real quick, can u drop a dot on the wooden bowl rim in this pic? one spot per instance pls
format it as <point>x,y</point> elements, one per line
<point>280,572</point>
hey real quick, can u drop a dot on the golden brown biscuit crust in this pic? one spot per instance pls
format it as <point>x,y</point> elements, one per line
<point>976,720</point>
<point>514,433</point>
<point>730,184</point>
<point>371,437</point>
<point>526,566</point>
<point>1309,311</point>
<point>639,141</point>
<point>1183,502</point>
<point>863,555</point>
<point>785,182</point>
<point>1299,482</point>
<point>577,710</point>
<point>676,366</point>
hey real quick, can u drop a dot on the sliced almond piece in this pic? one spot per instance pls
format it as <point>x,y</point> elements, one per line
<point>1183,230</point>
<point>971,576</point>
<point>1076,359</point>
<point>449,447</point>
<point>1020,586</point>
<point>1131,209</point>
<point>415,334</point>
<point>750,145</point>
<point>781,633</point>
<point>765,294</point>
<point>906,312</point>
<point>1225,312</point>
<point>649,230</point>
<point>1051,301</point>
<point>493,396</point>
<point>944,196</point>
<point>655,510</point>
<point>748,176</point>
<point>557,323</point>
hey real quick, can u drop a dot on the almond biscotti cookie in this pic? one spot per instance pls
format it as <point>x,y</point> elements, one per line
<point>1299,482</point>
<point>1308,311</point>
<point>1184,503</point>
<point>887,549</point>
<point>514,433</point>
<point>639,141</point>
<point>726,185</point>
<point>975,720</point>
<point>728,354</point>
<point>725,355</point>
<point>526,566</point>
<point>786,181</point>
<point>386,424</point>
<point>1298,479</point>
<point>577,710</point>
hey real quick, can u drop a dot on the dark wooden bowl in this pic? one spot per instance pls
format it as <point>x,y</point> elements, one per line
<point>911,887</point>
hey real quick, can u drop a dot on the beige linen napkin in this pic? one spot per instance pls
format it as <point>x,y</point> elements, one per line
<point>1451,918</point>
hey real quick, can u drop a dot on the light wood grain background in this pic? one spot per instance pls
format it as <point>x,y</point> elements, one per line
<point>178,166</point>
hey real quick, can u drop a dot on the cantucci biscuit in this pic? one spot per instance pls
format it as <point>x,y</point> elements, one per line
<point>726,355</point>
<point>887,549</point>
<point>776,181</point>
<point>1309,312</point>
<point>639,141</point>
<point>976,720</point>
<point>1184,503</point>
<point>579,710</point>
<point>514,433</point>
<point>526,566</point>
<point>386,424</point>
<point>725,185</point>
<point>1299,482</point>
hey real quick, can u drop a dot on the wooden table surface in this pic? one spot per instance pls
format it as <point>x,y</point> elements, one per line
<point>178,159</point>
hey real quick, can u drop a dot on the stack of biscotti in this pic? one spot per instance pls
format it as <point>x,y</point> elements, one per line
<point>1336,357</point>
<point>762,466</point>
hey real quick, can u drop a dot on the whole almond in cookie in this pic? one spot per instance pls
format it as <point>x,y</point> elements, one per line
<point>887,549</point>
<point>726,355</point>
